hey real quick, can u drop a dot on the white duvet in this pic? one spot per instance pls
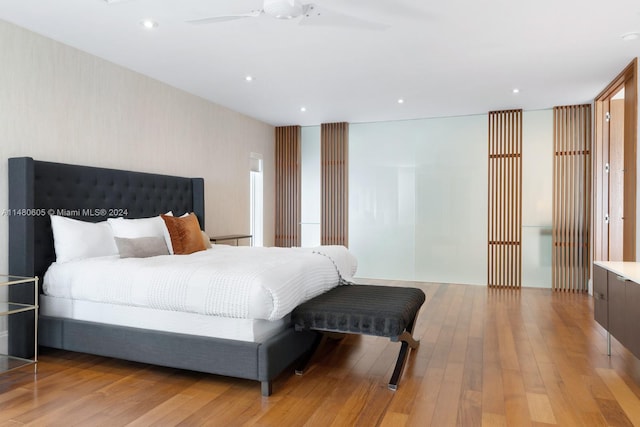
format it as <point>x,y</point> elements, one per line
<point>229,281</point>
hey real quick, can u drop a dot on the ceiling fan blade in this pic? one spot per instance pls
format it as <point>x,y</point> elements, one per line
<point>224,18</point>
<point>323,17</point>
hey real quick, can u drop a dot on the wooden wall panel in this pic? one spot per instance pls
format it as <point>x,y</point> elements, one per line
<point>504,268</point>
<point>288,184</point>
<point>334,161</point>
<point>571,198</point>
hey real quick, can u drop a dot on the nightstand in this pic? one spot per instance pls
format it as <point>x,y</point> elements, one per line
<point>236,237</point>
<point>9,308</point>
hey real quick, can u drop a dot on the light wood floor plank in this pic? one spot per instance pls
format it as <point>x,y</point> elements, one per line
<point>623,394</point>
<point>492,389</point>
<point>427,397</point>
<point>394,419</point>
<point>487,357</point>
<point>515,406</point>
<point>565,413</point>
<point>540,408</point>
<point>470,408</point>
<point>493,420</point>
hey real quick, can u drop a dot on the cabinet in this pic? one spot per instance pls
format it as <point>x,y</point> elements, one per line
<point>617,312</point>
<point>601,295</point>
<point>12,309</point>
<point>632,310</point>
<point>616,289</point>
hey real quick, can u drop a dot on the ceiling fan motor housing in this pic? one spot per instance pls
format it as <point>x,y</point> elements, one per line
<point>283,9</point>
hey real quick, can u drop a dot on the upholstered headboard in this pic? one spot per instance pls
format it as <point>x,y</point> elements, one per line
<point>38,189</point>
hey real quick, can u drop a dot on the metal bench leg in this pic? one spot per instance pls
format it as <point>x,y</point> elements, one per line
<point>407,341</point>
<point>305,358</point>
<point>408,338</point>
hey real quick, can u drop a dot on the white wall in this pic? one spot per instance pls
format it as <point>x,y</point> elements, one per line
<point>60,104</point>
<point>418,199</point>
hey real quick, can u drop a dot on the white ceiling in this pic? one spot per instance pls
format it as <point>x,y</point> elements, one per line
<point>444,58</point>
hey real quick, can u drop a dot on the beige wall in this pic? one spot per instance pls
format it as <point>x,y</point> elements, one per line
<point>60,104</point>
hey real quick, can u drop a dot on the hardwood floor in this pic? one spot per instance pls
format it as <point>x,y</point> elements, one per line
<point>487,358</point>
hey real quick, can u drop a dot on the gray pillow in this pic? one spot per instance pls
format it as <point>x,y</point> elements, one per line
<point>141,247</point>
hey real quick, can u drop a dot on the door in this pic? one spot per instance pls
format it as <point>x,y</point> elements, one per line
<point>614,168</point>
<point>616,177</point>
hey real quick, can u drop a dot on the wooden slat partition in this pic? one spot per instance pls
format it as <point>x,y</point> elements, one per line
<point>288,184</point>
<point>571,198</point>
<point>505,200</point>
<point>334,160</point>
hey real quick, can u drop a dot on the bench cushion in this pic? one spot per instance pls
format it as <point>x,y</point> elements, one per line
<point>384,311</point>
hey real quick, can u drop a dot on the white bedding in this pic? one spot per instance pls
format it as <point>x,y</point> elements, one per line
<point>252,330</point>
<point>240,282</point>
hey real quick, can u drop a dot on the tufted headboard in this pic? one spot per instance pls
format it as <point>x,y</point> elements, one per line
<point>37,189</point>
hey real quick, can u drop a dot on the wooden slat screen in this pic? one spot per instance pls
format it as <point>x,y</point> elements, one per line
<point>334,161</point>
<point>288,186</point>
<point>571,197</point>
<point>505,199</point>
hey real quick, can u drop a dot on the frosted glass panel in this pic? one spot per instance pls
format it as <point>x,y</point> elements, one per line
<point>417,206</point>
<point>536,256</point>
<point>452,202</point>
<point>418,199</point>
<point>381,201</point>
<point>537,168</point>
<point>537,191</point>
<point>311,186</point>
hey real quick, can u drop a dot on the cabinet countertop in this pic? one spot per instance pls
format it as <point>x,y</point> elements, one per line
<point>628,269</point>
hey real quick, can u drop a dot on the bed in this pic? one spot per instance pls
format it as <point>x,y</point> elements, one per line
<point>37,189</point>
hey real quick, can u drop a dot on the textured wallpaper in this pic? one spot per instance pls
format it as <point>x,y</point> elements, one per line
<point>61,104</point>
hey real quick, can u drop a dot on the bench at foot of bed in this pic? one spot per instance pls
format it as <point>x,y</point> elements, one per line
<point>385,311</point>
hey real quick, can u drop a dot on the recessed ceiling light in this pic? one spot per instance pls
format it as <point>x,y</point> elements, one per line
<point>248,78</point>
<point>631,36</point>
<point>303,109</point>
<point>400,101</point>
<point>516,90</point>
<point>149,24</point>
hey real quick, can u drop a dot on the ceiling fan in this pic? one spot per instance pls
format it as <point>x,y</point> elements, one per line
<point>309,14</point>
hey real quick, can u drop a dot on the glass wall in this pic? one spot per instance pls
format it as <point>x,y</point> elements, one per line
<point>310,190</point>
<point>537,192</point>
<point>418,198</point>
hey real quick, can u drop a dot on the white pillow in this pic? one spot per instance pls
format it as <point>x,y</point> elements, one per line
<point>136,228</point>
<point>74,239</point>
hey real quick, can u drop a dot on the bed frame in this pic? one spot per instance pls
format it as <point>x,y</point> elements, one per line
<point>37,189</point>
